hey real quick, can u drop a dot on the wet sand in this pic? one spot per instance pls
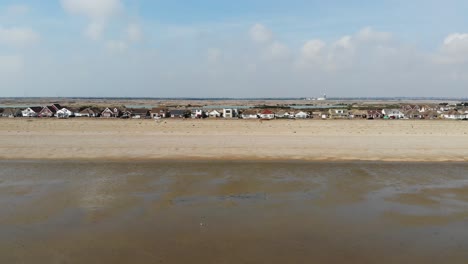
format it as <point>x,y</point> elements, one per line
<point>313,140</point>
<point>233,212</point>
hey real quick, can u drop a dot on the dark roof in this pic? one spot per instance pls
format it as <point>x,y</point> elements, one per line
<point>36,109</point>
<point>177,112</point>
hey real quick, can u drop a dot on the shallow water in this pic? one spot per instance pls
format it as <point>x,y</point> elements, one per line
<point>233,212</point>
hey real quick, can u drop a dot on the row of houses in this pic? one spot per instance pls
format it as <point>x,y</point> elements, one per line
<point>58,111</point>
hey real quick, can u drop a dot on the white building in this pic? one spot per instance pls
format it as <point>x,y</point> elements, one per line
<point>64,113</point>
<point>393,113</point>
<point>301,115</point>
<point>214,114</point>
<point>31,111</point>
<point>229,113</point>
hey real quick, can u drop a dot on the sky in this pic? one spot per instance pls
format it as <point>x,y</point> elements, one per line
<point>241,49</point>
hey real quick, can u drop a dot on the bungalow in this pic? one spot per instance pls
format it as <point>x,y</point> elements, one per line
<point>267,114</point>
<point>454,114</point>
<point>375,114</point>
<point>410,107</point>
<point>11,112</point>
<point>229,113</point>
<point>198,113</point>
<point>358,114</point>
<point>48,111</point>
<point>126,113</point>
<point>108,113</point>
<point>249,114</point>
<point>178,113</point>
<point>338,113</point>
<point>31,111</point>
<point>140,113</point>
<point>426,108</point>
<point>301,115</point>
<point>393,113</point>
<point>283,114</point>
<point>215,114</point>
<point>413,114</point>
<point>159,112</point>
<point>65,113</point>
<point>430,114</point>
<point>87,112</point>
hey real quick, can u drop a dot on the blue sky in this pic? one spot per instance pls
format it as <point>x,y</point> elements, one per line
<point>233,48</point>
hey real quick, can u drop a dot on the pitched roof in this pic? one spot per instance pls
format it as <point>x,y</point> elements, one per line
<point>250,112</point>
<point>267,112</point>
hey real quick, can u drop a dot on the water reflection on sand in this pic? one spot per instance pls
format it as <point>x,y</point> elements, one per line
<point>233,212</point>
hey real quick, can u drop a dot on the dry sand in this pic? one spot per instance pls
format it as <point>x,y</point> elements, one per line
<point>370,140</point>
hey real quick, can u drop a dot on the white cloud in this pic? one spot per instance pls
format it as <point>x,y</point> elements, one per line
<point>134,32</point>
<point>94,30</point>
<point>313,49</point>
<point>260,34</point>
<point>94,9</point>
<point>98,11</point>
<point>454,49</point>
<point>17,10</point>
<point>368,34</point>
<point>116,46</point>
<point>278,50</point>
<point>16,36</point>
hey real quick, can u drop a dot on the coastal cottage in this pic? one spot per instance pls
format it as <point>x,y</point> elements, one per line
<point>178,113</point>
<point>393,113</point>
<point>375,114</point>
<point>111,113</point>
<point>31,111</point>
<point>267,114</point>
<point>214,114</point>
<point>454,115</point>
<point>358,114</point>
<point>229,113</point>
<point>249,114</point>
<point>11,112</point>
<point>87,112</point>
<point>301,115</point>
<point>410,107</point>
<point>283,114</point>
<point>159,112</point>
<point>429,107</point>
<point>48,111</point>
<point>430,114</point>
<point>338,113</point>
<point>198,113</point>
<point>140,113</point>
<point>413,114</point>
<point>65,113</point>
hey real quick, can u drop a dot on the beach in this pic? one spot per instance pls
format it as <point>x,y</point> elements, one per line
<point>220,139</point>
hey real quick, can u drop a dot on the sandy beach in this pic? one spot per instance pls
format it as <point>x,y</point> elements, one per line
<point>313,140</point>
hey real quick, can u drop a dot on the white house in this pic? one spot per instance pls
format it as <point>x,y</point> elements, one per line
<point>229,113</point>
<point>249,114</point>
<point>31,111</point>
<point>197,113</point>
<point>454,114</point>
<point>214,113</point>
<point>64,113</point>
<point>301,115</point>
<point>393,113</point>
<point>267,114</point>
